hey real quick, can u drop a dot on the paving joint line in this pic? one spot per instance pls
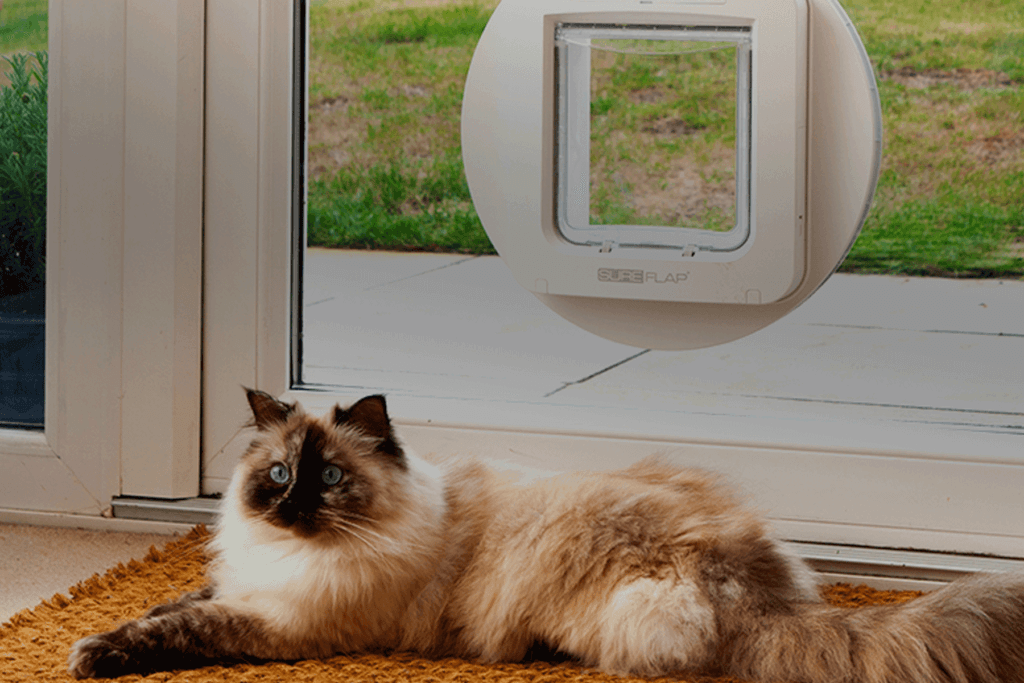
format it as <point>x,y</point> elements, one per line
<point>591,376</point>
<point>425,272</point>
<point>907,329</point>
<point>391,282</point>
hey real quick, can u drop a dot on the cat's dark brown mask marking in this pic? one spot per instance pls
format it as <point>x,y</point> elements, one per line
<point>318,476</point>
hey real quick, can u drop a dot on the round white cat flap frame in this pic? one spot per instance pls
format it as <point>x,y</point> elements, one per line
<point>671,174</point>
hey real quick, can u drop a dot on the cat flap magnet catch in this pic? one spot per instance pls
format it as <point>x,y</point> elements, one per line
<point>671,174</point>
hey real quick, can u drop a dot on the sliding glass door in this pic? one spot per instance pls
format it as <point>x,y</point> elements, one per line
<point>474,366</point>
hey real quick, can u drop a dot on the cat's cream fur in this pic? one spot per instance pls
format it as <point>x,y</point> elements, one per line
<point>648,570</point>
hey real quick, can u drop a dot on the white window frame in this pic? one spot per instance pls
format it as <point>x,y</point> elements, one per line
<point>124,268</point>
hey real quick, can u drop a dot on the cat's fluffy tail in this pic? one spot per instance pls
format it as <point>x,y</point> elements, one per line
<point>971,631</point>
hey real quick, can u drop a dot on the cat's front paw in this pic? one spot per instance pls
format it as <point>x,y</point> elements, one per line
<point>99,656</point>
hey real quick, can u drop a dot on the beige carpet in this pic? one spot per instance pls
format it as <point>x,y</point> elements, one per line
<point>34,644</point>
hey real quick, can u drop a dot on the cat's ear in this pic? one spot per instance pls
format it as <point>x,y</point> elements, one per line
<point>267,410</point>
<point>370,415</point>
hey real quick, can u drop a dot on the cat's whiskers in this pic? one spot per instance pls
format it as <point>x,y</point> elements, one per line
<point>354,531</point>
<point>407,542</point>
<point>383,546</point>
<point>348,514</point>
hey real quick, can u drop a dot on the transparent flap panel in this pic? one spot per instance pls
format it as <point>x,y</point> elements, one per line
<point>653,135</point>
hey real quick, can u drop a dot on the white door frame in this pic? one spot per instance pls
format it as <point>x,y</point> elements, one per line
<point>248,240</point>
<point>124,268</point>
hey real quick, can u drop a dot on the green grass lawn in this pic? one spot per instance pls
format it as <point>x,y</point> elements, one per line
<point>385,98</point>
<point>23,26</point>
<point>385,95</point>
<point>950,199</point>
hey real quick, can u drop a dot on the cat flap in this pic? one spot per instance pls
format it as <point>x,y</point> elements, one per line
<point>671,174</point>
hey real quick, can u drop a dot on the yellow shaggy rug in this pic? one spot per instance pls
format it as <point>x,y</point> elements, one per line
<point>34,644</point>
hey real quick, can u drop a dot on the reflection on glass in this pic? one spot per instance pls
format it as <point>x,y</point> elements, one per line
<point>23,105</point>
<point>450,335</point>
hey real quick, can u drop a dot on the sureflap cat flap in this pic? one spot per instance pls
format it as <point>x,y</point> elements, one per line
<point>708,196</point>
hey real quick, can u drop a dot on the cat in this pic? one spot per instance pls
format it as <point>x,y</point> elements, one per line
<point>335,538</point>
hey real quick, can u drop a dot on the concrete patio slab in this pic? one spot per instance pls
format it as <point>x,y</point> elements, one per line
<point>452,329</point>
<point>456,338</point>
<point>832,372</point>
<point>925,304</point>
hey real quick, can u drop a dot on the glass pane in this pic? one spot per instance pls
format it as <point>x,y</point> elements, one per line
<point>23,102</point>
<point>428,311</point>
<point>664,116</point>
<point>402,296</point>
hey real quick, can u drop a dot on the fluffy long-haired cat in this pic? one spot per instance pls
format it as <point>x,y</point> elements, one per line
<point>333,538</point>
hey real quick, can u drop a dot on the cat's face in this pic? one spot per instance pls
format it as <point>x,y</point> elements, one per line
<point>336,475</point>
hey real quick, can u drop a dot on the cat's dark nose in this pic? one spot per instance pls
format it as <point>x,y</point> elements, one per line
<point>292,509</point>
<point>298,513</point>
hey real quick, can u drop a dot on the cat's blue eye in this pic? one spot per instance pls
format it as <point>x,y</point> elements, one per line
<point>331,475</point>
<point>279,474</point>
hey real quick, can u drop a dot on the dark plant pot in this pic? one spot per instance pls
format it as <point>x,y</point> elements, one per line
<point>22,360</point>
